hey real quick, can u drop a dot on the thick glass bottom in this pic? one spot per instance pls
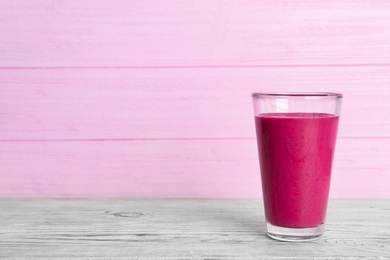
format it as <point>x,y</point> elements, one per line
<point>295,234</point>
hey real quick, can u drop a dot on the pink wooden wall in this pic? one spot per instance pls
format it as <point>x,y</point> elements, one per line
<point>152,98</point>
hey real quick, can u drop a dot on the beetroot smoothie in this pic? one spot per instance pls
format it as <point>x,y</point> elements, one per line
<point>296,153</point>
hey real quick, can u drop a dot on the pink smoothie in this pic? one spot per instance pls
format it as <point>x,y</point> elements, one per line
<point>296,153</point>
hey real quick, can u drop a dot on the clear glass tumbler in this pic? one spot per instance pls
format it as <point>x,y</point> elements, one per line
<point>296,137</point>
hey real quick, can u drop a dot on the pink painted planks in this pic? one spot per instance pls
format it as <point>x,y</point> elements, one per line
<point>173,169</point>
<point>176,103</point>
<point>92,33</point>
<point>152,98</point>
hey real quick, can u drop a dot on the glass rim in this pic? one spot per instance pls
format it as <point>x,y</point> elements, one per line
<point>297,94</point>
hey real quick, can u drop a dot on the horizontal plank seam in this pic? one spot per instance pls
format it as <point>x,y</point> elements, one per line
<point>194,67</point>
<point>166,139</point>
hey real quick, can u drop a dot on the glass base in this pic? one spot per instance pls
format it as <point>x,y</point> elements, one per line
<point>295,234</point>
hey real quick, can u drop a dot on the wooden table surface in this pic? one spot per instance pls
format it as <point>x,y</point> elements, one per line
<point>182,229</point>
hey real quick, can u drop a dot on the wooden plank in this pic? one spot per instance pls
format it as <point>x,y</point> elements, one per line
<point>176,103</point>
<point>181,229</point>
<point>173,169</point>
<point>93,33</point>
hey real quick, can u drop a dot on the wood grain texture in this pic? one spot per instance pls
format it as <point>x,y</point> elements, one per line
<point>173,169</point>
<point>92,33</point>
<point>147,98</point>
<point>176,103</point>
<point>181,229</point>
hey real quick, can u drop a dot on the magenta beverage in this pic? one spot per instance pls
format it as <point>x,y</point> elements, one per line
<point>296,153</point>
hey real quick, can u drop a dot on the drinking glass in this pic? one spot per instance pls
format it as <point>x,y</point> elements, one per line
<point>296,137</point>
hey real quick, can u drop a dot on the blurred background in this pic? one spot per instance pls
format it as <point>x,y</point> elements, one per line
<point>152,98</point>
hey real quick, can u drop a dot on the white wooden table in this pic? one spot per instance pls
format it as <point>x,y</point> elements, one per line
<point>182,229</point>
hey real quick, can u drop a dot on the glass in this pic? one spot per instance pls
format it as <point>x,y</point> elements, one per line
<point>296,137</point>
